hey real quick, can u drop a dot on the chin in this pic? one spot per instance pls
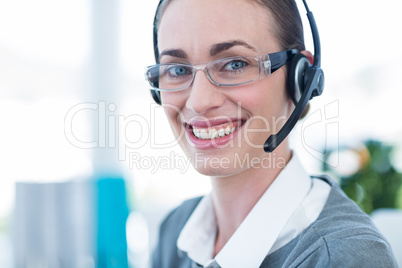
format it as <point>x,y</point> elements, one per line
<point>216,172</point>
<point>220,165</point>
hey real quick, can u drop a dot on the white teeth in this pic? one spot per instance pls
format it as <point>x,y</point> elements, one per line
<point>212,133</point>
<point>197,133</point>
<point>221,132</point>
<point>227,130</point>
<point>203,134</point>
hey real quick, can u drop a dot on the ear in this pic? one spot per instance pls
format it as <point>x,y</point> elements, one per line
<point>309,56</point>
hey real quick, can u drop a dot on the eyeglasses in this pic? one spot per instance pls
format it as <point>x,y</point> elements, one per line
<point>233,71</point>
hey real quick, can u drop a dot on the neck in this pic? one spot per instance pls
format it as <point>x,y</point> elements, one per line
<point>234,196</point>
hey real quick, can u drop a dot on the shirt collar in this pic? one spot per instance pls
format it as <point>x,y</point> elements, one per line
<point>257,233</point>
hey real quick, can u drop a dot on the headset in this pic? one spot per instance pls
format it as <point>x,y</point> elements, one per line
<point>305,81</point>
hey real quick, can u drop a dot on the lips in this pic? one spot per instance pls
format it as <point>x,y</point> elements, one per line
<point>213,132</point>
<point>209,133</point>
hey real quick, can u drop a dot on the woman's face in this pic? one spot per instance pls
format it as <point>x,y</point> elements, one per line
<point>232,123</point>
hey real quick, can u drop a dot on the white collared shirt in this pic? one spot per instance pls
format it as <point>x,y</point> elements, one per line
<point>288,206</point>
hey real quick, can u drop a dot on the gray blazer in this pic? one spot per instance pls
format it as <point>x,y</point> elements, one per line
<point>342,236</point>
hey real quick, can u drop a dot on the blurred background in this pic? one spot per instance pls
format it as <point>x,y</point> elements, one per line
<point>89,165</point>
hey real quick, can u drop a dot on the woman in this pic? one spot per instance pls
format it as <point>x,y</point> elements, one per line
<point>224,93</point>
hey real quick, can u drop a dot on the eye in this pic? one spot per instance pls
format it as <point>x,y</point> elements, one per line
<point>178,70</point>
<point>235,65</point>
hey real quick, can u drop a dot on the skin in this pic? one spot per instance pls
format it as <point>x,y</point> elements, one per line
<point>201,25</point>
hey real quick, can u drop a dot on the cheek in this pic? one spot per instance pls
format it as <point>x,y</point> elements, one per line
<point>267,97</point>
<point>172,103</point>
<point>267,102</point>
<point>175,98</point>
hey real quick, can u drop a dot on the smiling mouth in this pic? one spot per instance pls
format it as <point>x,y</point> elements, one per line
<point>214,132</point>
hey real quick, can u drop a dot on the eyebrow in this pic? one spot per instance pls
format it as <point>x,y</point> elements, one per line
<point>178,53</point>
<point>215,49</point>
<point>218,48</point>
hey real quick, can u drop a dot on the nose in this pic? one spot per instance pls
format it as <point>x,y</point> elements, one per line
<point>204,95</point>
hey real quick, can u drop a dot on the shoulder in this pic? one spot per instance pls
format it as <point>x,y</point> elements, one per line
<point>166,251</point>
<point>178,217</point>
<point>344,236</point>
<point>343,244</point>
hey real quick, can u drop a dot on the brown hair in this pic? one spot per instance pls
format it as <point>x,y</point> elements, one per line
<point>288,28</point>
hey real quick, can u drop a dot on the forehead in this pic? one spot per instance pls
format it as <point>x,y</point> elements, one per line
<point>195,25</point>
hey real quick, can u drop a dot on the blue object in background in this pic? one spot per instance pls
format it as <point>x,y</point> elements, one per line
<point>54,225</point>
<point>73,224</point>
<point>112,213</point>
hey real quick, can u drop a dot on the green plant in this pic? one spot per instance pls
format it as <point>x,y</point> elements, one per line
<point>375,183</point>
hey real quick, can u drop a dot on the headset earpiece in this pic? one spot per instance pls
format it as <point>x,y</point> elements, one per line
<point>156,95</point>
<point>297,76</point>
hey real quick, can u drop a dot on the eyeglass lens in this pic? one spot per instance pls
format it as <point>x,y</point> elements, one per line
<point>226,72</point>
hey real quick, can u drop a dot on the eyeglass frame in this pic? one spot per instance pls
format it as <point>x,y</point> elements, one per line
<point>273,62</point>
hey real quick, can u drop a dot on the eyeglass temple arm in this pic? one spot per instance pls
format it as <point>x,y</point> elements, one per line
<point>279,59</point>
